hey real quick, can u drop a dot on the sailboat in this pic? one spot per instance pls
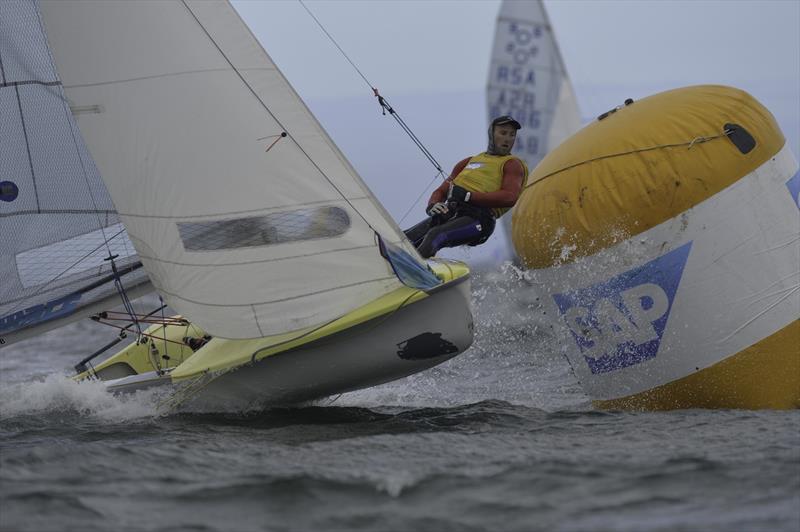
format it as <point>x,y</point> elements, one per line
<point>528,80</point>
<point>157,146</point>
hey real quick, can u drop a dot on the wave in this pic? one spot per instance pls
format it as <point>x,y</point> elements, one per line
<point>515,357</point>
<point>58,394</point>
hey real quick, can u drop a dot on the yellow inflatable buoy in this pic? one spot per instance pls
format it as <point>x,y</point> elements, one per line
<point>666,236</point>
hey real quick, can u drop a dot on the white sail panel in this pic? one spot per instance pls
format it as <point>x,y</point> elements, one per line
<point>57,222</point>
<point>199,135</point>
<point>566,117</point>
<point>528,80</point>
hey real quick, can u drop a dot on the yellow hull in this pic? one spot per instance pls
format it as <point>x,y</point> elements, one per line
<point>766,375</point>
<point>403,332</point>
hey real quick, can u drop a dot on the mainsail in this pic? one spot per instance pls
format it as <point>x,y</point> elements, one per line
<point>247,218</point>
<point>528,80</point>
<point>57,222</point>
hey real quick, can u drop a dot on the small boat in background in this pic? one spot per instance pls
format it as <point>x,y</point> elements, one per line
<point>528,80</point>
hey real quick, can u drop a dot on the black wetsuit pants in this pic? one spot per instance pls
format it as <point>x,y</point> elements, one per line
<point>464,224</point>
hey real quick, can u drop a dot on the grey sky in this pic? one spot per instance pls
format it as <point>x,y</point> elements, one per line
<point>414,45</point>
<point>431,58</point>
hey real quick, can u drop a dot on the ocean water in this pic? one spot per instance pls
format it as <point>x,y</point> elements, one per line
<point>499,438</point>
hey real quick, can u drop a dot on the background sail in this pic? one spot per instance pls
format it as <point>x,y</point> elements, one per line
<point>528,80</point>
<point>55,212</point>
<point>245,215</point>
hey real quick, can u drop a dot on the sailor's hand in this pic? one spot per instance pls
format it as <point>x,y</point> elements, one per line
<point>436,209</point>
<point>461,194</point>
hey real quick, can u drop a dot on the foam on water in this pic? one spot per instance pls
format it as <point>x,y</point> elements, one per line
<point>59,394</point>
<point>499,436</point>
<point>515,356</point>
<point>513,350</point>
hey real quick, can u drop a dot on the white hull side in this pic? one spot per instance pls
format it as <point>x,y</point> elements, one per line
<point>369,354</point>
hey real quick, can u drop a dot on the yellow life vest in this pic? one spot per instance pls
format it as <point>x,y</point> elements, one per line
<point>484,173</point>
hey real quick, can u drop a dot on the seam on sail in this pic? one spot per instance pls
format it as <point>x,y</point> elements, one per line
<point>5,85</point>
<point>191,217</point>
<point>28,149</point>
<point>255,319</point>
<point>273,301</point>
<point>56,211</point>
<point>217,265</point>
<point>2,70</point>
<point>157,76</point>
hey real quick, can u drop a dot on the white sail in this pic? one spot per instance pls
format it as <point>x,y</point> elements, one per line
<point>58,225</point>
<point>528,80</point>
<point>247,218</point>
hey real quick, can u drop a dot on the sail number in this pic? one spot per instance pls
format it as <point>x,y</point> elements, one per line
<point>515,76</point>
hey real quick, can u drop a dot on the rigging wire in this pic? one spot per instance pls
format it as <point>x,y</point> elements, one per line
<point>336,44</point>
<point>421,194</point>
<point>385,107</point>
<point>123,295</point>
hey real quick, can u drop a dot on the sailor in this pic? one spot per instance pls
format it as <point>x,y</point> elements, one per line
<point>480,189</point>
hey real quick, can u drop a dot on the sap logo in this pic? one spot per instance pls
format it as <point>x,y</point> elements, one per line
<point>474,166</point>
<point>794,187</point>
<point>620,322</point>
<point>39,313</point>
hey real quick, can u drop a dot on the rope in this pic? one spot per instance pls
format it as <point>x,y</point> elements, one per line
<point>335,43</point>
<point>421,194</point>
<point>126,303</point>
<point>385,106</point>
<point>110,315</point>
<point>144,335</point>
<point>690,144</point>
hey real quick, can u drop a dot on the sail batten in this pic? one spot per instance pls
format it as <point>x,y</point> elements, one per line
<point>246,216</point>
